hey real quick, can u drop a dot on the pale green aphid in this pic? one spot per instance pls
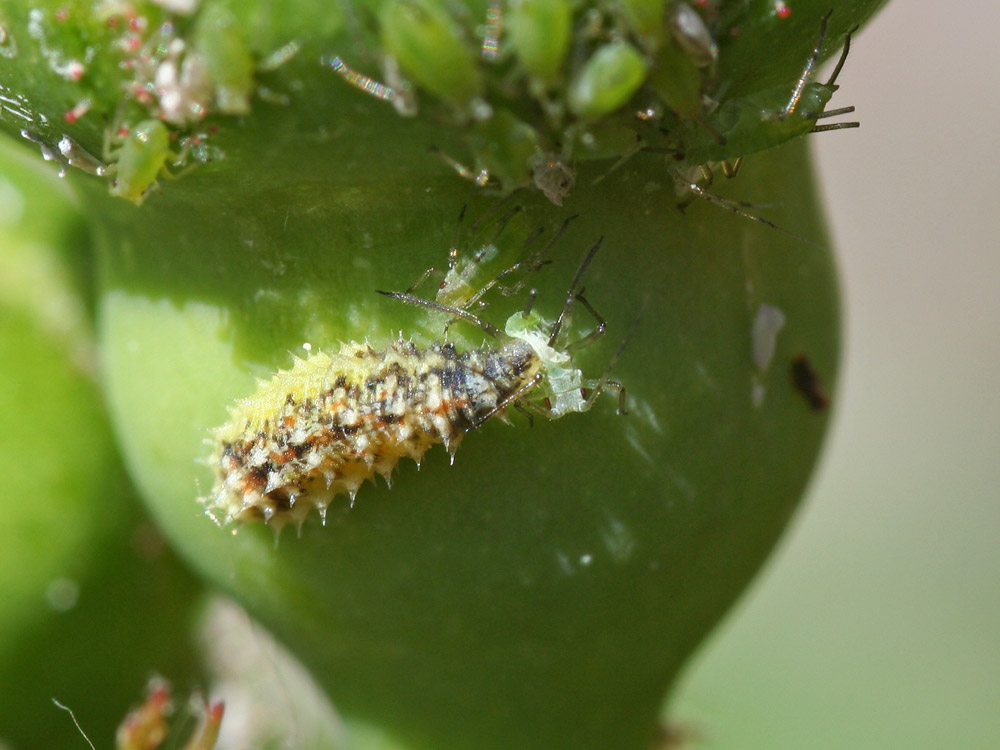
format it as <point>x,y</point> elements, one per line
<point>748,125</point>
<point>141,159</point>
<point>645,19</point>
<point>431,48</point>
<point>504,147</point>
<point>540,31</point>
<point>227,60</point>
<point>685,52</point>
<point>607,80</point>
<point>678,81</point>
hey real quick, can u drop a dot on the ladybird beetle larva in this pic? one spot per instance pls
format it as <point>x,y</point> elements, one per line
<point>334,420</point>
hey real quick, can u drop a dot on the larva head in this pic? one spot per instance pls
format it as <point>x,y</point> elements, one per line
<point>513,365</point>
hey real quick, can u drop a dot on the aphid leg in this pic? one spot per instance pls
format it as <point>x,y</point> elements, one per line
<point>528,411</point>
<point>606,383</point>
<point>513,398</point>
<point>420,280</point>
<point>807,71</point>
<point>731,168</point>
<point>456,312</point>
<point>573,291</point>
<point>532,296</point>
<point>734,207</point>
<point>531,264</point>
<point>708,174</point>
<point>593,335</point>
<point>719,137</point>
<point>480,178</point>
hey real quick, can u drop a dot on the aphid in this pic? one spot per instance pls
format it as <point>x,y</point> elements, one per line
<point>539,32</point>
<point>430,48</point>
<point>140,161</point>
<point>607,80</point>
<point>227,59</point>
<point>744,126</point>
<point>334,420</point>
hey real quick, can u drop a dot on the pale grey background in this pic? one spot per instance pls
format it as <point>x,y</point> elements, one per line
<point>877,624</point>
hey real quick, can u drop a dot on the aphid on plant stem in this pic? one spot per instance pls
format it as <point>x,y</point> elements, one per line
<point>334,420</point>
<point>744,126</point>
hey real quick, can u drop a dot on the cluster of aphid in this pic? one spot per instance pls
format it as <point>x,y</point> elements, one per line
<point>337,419</point>
<point>146,728</point>
<point>179,63</point>
<point>608,81</point>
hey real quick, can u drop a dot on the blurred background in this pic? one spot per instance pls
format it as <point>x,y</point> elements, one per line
<point>877,623</point>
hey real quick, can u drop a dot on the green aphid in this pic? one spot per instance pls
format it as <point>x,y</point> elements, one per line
<point>540,31</point>
<point>505,146</point>
<point>607,80</point>
<point>430,47</point>
<point>141,160</point>
<point>227,59</point>
<point>755,123</point>
<point>644,18</point>
<point>677,80</point>
<point>688,49</point>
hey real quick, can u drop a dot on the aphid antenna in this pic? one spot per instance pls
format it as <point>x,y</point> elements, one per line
<point>807,71</point>
<point>843,56</point>
<point>575,288</point>
<point>72,715</point>
<point>456,312</point>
